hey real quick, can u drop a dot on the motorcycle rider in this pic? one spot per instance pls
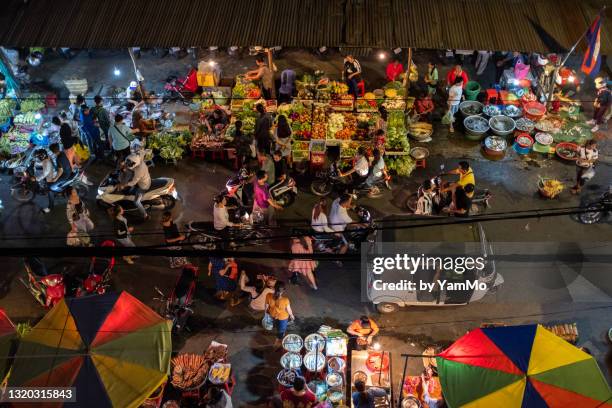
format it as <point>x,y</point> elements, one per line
<point>318,223</point>
<point>140,180</point>
<point>425,200</point>
<point>377,174</point>
<point>466,176</point>
<point>361,168</point>
<point>47,174</point>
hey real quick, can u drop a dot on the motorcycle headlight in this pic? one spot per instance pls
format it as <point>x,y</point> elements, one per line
<point>100,191</point>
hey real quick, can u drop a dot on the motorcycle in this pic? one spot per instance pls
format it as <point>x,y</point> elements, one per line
<point>177,307</point>
<point>440,200</point>
<point>98,278</point>
<point>47,288</point>
<point>331,181</point>
<point>331,243</point>
<point>203,236</point>
<point>27,187</point>
<point>161,195</point>
<point>598,210</point>
<point>284,192</point>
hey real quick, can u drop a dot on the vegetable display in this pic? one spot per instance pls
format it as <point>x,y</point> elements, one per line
<point>33,103</point>
<point>402,165</point>
<point>171,146</point>
<point>6,108</point>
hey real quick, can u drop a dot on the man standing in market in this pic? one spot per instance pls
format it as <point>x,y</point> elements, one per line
<point>120,138</point>
<point>102,119</point>
<point>352,74</point>
<point>264,74</point>
<point>263,124</point>
<point>602,103</point>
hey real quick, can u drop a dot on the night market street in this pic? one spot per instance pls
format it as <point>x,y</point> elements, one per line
<point>569,292</point>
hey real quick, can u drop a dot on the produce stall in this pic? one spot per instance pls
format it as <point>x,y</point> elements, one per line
<point>397,147</point>
<point>170,145</point>
<point>321,359</point>
<point>374,369</point>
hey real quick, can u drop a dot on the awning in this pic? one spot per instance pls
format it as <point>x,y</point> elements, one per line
<point>522,25</point>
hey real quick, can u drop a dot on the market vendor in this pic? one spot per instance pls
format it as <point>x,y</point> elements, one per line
<point>352,74</point>
<point>364,329</point>
<point>394,70</point>
<point>585,165</point>
<point>144,127</point>
<point>424,106</point>
<point>567,82</point>
<point>133,96</point>
<point>264,74</point>
<point>217,122</point>
<point>454,73</point>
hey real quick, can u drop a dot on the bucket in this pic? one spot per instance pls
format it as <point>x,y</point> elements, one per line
<point>472,89</point>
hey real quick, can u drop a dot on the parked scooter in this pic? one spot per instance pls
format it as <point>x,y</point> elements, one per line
<point>47,288</point>
<point>98,278</point>
<point>601,209</point>
<point>284,192</point>
<point>178,305</point>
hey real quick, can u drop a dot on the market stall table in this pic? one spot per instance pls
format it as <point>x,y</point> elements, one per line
<point>374,369</point>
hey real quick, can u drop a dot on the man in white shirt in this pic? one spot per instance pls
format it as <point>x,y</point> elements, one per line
<point>338,216</point>
<point>220,215</point>
<point>360,169</point>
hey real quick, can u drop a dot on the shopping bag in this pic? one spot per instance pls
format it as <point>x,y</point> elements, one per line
<point>447,118</point>
<point>81,152</point>
<point>267,322</point>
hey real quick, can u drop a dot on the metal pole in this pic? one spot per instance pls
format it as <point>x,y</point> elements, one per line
<point>401,383</point>
<point>408,71</point>
<point>137,73</point>
<point>271,66</point>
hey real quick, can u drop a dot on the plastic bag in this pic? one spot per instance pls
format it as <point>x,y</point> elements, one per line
<point>267,322</point>
<point>447,119</point>
<point>82,152</point>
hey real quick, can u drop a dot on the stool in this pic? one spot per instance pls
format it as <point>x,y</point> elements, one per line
<point>231,155</point>
<point>198,153</point>
<point>361,88</point>
<point>217,154</point>
<point>420,163</point>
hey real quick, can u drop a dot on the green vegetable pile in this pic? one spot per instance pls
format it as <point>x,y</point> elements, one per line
<point>6,109</point>
<point>402,165</point>
<point>171,145</point>
<point>32,103</point>
<point>397,139</point>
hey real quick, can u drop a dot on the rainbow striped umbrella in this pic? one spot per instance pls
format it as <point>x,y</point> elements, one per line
<point>522,367</point>
<point>112,348</point>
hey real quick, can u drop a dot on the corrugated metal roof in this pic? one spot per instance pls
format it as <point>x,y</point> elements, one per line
<point>524,25</point>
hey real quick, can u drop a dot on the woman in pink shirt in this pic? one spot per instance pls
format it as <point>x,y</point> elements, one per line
<point>305,267</point>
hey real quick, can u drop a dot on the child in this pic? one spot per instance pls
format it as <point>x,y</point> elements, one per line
<point>122,232</point>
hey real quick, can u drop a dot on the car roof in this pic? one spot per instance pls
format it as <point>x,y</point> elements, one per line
<point>394,230</point>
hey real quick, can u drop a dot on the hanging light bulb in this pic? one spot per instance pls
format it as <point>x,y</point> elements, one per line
<point>116,71</point>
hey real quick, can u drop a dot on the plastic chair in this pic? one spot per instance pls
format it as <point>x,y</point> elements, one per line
<point>420,163</point>
<point>361,88</point>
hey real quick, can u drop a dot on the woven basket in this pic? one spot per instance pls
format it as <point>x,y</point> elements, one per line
<point>76,86</point>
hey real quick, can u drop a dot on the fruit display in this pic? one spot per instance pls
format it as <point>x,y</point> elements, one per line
<point>300,145</point>
<point>245,89</point>
<point>366,105</point>
<point>335,123</point>
<point>189,371</point>
<point>338,88</point>
<point>32,103</point>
